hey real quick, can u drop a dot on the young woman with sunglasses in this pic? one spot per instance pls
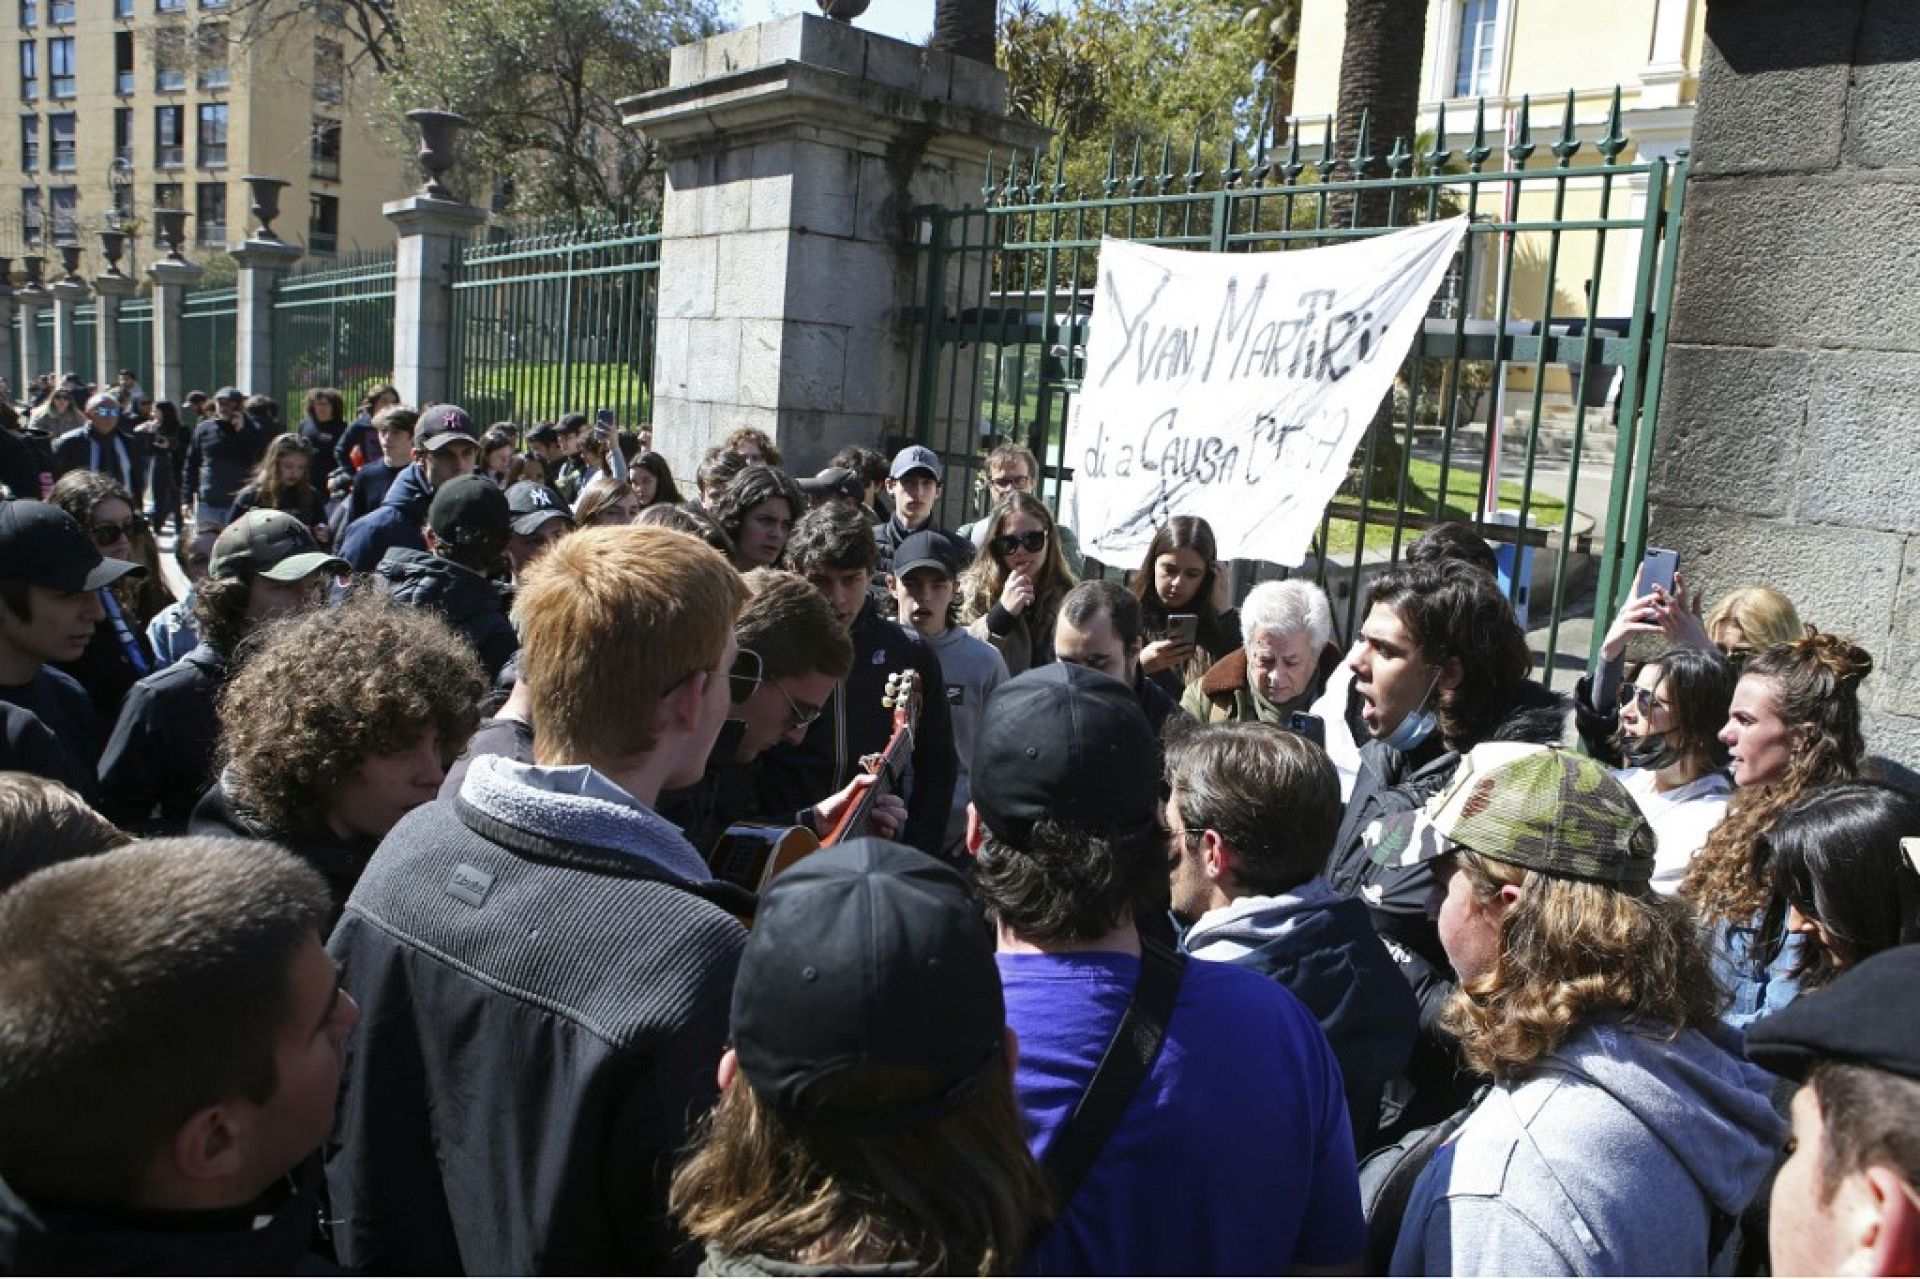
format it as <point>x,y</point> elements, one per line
<point>118,654</point>
<point>1669,717</point>
<point>1013,591</point>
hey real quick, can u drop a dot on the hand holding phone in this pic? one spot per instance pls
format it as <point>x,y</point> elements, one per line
<point>1183,628</point>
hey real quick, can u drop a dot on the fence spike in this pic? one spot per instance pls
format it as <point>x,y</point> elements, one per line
<point>1399,160</point>
<point>1362,156</point>
<point>1615,140</point>
<point>1522,148</point>
<point>1439,153</point>
<point>1329,158</point>
<point>1231,176</point>
<point>1060,170</point>
<point>1196,173</point>
<point>1111,184</point>
<point>1138,181</point>
<point>1478,153</point>
<point>1165,177</point>
<point>1567,145</point>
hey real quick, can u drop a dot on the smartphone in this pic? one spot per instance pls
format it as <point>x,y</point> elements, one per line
<point>1311,727</point>
<point>1658,570</point>
<point>1183,628</point>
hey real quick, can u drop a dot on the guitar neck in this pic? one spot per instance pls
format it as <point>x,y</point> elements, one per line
<point>892,760</point>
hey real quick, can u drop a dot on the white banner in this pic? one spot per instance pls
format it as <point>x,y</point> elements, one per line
<point>1236,386</point>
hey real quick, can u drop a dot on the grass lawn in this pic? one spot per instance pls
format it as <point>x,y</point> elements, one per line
<point>1462,497</point>
<point>529,393</point>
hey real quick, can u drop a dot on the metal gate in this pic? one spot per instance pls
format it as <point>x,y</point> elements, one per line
<point>1527,406</point>
<point>333,327</point>
<point>209,323</point>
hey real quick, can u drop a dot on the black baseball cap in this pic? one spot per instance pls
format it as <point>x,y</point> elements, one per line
<point>445,424</point>
<point>1068,743</point>
<point>835,481</point>
<point>925,549</point>
<point>273,545</point>
<point>545,433</point>
<point>532,505</point>
<point>1855,1021</point>
<point>230,393</point>
<point>868,954</point>
<point>469,510</point>
<point>42,545</point>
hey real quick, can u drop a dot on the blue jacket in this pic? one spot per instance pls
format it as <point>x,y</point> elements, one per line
<point>397,521</point>
<point>1322,947</point>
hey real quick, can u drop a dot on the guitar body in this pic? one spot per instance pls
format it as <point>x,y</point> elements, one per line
<point>751,855</point>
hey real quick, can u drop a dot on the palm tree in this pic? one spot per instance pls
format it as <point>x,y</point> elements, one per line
<point>1380,79</point>
<point>965,28</point>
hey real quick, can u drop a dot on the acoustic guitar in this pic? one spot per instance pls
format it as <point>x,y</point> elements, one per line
<point>750,854</point>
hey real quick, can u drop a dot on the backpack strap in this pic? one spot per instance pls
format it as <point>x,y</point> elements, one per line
<point>1129,1057</point>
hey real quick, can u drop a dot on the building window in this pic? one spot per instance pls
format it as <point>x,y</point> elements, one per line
<point>123,135</point>
<point>326,149</point>
<point>329,71</point>
<point>60,65</point>
<point>169,145</point>
<point>210,213</point>
<point>170,6</point>
<point>66,223</point>
<point>170,60</point>
<point>123,8</point>
<point>210,54</point>
<point>323,225</point>
<point>29,13</point>
<point>213,135</point>
<point>29,70</point>
<point>123,62</point>
<point>32,220</point>
<point>61,11</point>
<point>29,144</point>
<point>65,154</point>
<point>1479,32</point>
<point>166,195</point>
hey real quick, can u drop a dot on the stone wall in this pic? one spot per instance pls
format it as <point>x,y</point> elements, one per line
<point>1789,445</point>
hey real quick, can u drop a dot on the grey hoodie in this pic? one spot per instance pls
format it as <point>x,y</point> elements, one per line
<point>1609,1158</point>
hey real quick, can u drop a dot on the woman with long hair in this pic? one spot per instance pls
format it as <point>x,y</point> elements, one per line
<point>757,511</point>
<point>323,420</point>
<point>1670,718</point>
<point>652,481</point>
<point>1794,726</point>
<point>1181,574</point>
<point>58,415</point>
<point>1012,592</point>
<point>1589,999</point>
<point>283,482</point>
<point>605,500</point>
<point>118,654</point>
<point>1751,619</point>
<point>1844,865</point>
<point>530,467</point>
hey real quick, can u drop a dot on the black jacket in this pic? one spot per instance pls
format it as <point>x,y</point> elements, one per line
<point>106,667</point>
<point>221,458</point>
<point>724,795</point>
<point>161,752</point>
<point>888,535</point>
<point>340,861</point>
<point>1394,782</point>
<point>854,724</point>
<point>322,436</point>
<point>22,465</point>
<point>274,1235</point>
<point>81,449</point>
<point>397,521</point>
<point>540,1023</point>
<point>476,607</point>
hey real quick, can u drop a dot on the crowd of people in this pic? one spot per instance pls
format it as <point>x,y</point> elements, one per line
<point>500,863</point>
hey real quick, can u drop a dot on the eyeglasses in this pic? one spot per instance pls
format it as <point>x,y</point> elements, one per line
<point>1012,483</point>
<point>798,717</point>
<point>105,535</point>
<point>1641,698</point>
<point>743,679</point>
<point>1030,541</point>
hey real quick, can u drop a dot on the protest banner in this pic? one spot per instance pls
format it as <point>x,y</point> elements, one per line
<point>1236,386</point>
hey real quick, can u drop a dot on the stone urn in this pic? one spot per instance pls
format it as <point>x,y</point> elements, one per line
<point>173,231</point>
<point>264,193</point>
<point>439,139</point>
<point>112,245</point>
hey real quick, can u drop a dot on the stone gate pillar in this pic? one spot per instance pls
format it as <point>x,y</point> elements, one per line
<point>171,279</point>
<point>1785,453</point>
<point>796,150</point>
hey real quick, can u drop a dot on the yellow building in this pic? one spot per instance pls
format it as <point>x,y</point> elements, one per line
<point>1503,50</point>
<point>129,105</point>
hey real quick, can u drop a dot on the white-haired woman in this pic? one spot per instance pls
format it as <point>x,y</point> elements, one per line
<point>1282,665</point>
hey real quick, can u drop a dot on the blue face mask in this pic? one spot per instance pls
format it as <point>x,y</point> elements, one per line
<point>1417,725</point>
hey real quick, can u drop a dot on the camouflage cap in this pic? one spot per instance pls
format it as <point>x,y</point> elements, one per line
<point>1548,810</point>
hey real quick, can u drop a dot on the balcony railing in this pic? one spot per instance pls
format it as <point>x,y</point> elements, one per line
<point>170,158</point>
<point>63,159</point>
<point>62,12</point>
<point>327,242</point>
<point>63,86</point>
<point>123,83</point>
<point>216,78</point>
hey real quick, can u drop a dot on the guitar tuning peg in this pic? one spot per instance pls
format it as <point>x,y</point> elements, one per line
<point>887,702</point>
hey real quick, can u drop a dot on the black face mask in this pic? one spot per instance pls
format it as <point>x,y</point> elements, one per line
<point>1653,752</point>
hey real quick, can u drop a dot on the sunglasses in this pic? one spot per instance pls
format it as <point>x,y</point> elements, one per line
<point>1030,541</point>
<point>107,534</point>
<point>743,680</point>
<point>1642,698</point>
